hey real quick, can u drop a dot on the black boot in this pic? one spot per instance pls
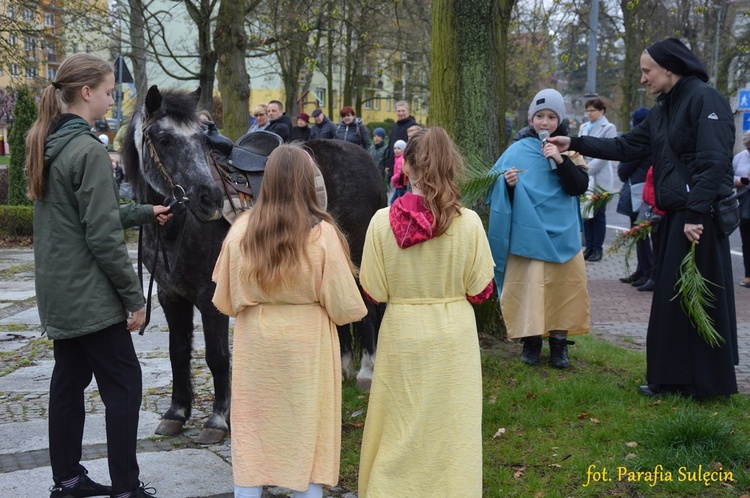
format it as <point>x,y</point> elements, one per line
<point>558,352</point>
<point>532,349</point>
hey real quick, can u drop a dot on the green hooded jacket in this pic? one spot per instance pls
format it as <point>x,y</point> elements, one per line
<point>85,280</point>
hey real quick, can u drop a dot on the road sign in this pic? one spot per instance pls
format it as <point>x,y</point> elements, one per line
<point>746,121</point>
<point>743,102</point>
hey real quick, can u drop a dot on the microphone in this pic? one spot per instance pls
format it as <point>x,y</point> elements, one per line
<point>543,136</point>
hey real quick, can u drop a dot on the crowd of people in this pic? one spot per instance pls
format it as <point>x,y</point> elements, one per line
<point>285,273</point>
<point>271,117</point>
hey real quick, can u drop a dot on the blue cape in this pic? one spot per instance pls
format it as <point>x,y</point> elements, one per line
<point>542,222</point>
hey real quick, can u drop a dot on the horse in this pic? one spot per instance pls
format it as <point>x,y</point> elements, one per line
<point>167,161</point>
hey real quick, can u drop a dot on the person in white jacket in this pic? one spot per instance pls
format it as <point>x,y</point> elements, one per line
<point>600,176</point>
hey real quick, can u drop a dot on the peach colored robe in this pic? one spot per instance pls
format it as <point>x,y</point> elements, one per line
<point>286,367</point>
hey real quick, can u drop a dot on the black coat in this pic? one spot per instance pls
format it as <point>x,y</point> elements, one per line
<point>301,134</point>
<point>698,124</point>
<point>282,127</point>
<point>398,132</point>
<point>326,129</point>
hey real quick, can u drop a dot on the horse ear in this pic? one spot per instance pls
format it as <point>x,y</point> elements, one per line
<point>153,100</point>
<point>196,95</point>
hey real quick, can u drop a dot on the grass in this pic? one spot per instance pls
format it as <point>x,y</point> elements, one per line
<point>4,160</point>
<point>562,426</point>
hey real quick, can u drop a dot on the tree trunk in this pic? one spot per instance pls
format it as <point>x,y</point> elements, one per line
<point>230,41</point>
<point>467,88</point>
<point>138,47</point>
<point>201,14</point>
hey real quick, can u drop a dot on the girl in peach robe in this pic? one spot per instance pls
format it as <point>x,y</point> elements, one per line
<point>284,272</point>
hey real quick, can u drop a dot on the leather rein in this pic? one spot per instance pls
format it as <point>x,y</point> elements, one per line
<point>177,204</point>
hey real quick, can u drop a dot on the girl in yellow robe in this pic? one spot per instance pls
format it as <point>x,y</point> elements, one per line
<point>284,272</point>
<point>427,257</point>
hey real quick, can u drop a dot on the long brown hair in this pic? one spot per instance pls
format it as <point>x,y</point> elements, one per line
<point>75,72</point>
<point>280,222</point>
<point>432,161</point>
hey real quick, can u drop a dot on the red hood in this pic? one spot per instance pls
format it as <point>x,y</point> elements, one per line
<point>411,222</point>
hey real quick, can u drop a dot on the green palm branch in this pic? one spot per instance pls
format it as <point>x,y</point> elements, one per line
<point>477,179</point>
<point>695,296</point>
<point>595,199</point>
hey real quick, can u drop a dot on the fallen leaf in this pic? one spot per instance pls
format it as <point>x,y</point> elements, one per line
<point>583,415</point>
<point>717,466</point>
<point>630,455</point>
<point>492,400</point>
<point>539,495</point>
<point>357,425</point>
<point>594,420</point>
<point>530,396</point>
<point>357,413</point>
<point>726,484</point>
<point>499,433</point>
<point>519,473</point>
<point>631,444</point>
<point>555,465</point>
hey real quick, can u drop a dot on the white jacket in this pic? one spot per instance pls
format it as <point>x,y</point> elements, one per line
<point>601,171</point>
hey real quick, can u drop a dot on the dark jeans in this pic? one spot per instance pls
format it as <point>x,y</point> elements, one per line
<point>397,192</point>
<point>595,229</point>
<point>110,356</point>
<point>745,236</point>
<point>645,255</point>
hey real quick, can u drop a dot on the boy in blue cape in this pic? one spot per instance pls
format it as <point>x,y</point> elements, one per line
<point>535,237</point>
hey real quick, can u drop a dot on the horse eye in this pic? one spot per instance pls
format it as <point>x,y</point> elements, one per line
<point>165,139</point>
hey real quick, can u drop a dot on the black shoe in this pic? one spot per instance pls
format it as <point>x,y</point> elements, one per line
<point>639,282</point>
<point>650,390</point>
<point>143,491</point>
<point>587,253</point>
<point>558,352</point>
<point>631,278</point>
<point>532,349</point>
<point>596,255</point>
<point>649,286</point>
<point>85,487</point>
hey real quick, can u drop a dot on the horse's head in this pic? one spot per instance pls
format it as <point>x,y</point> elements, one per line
<point>166,156</point>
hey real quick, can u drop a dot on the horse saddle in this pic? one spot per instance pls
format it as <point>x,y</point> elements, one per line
<point>241,167</point>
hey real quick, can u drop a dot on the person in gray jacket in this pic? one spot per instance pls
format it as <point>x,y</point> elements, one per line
<point>88,296</point>
<point>324,127</point>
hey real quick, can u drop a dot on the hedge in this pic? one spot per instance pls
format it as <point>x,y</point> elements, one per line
<point>16,220</point>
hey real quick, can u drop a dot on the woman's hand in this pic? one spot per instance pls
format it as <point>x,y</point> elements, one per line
<point>693,232</point>
<point>162,214</point>
<point>137,319</point>
<point>511,177</point>
<point>562,142</point>
<point>551,150</point>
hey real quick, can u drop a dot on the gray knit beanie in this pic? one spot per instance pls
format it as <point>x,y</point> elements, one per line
<point>548,99</point>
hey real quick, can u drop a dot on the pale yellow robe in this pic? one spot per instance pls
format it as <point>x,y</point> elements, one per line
<point>286,367</point>
<point>423,432</point>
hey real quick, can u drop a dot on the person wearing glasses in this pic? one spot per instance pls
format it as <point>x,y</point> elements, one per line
<point>600,176</point>
<point>260,113</point>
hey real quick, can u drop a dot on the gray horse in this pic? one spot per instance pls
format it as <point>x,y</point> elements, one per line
<point>166,160</point>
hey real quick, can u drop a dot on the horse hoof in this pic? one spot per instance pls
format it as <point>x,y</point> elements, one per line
<point>168,427</point>
<point>211,436</point>
<point>364,385</point>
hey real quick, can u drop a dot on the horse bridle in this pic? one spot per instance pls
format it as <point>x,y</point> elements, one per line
<point>159,165</point>
<point>175,204</point>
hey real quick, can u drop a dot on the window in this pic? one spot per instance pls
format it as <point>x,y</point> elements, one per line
<point>88,48</point>
<point>377,103</point>
<point>87,23</point>
<point>28,15</point>
<point>13,39</point>
<point>11,12</point>
<point>51,73</point>
<point>320,93</point>
<point>32,72</point>
<point>14,70</point>
<point>29,44</point>
<point>74,24</point>
<point>51,52</point>
<point>49,19</point>
<point>74,48</point>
